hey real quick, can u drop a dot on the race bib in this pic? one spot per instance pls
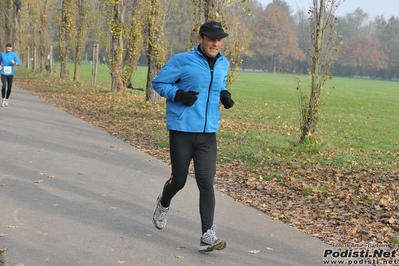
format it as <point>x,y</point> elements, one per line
<point>7,70</point>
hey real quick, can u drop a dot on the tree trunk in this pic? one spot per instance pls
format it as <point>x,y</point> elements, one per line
<point>151,95</point>
<point>66,33</point>
<point>155,50</point>
<point>16,16</point>
<point>43,37</point>
<point>312,116</point>
<point>82,29</point>
<point>94,65</point>
<point>116,59</point>
<point>135,39</point>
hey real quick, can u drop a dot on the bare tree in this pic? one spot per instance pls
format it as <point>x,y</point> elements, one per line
<point>126,20</point>
<point>42,37</point>
<point>116,17</point>
<point>155,46</point>
<point>324,46</point>
<point>135,39</point>
<point>82,27</point>
<point>67,24</point>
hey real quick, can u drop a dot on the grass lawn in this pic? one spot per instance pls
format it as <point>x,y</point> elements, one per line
<point>358,126</point>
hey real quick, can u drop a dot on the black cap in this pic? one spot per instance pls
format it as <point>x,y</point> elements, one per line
<point>213,30</point>
<point>8,45</point>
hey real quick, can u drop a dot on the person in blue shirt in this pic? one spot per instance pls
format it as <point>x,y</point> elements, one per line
<point>194,83</point>
<point>8,60</point>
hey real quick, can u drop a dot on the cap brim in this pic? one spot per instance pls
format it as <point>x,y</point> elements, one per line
<point>216,35</point>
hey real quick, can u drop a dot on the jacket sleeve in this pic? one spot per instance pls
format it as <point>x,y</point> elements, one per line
<point>165,84</point>
<point>225,78</point>
<point>16,59</point>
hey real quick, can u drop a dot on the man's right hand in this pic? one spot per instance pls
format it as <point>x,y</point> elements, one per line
<point>186,97</point>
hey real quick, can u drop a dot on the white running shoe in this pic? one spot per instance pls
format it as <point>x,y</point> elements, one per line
<point>160,213</point>
<point>3,103</point>
<point>6,103</point>
<point>209,241</point>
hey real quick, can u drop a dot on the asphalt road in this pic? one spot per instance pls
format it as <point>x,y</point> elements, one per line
<point>72,194</point>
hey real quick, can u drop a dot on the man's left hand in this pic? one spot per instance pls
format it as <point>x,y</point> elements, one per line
<point>225,98</point>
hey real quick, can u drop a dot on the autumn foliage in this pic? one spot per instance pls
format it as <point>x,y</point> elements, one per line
<point>274,40</point>
<point>362,52</point>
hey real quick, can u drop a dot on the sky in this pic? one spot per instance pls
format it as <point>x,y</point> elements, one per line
<point>374,8</point>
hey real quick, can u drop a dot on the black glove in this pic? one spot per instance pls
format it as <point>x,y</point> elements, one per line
<point>225,98</point>
<point>186,97</point>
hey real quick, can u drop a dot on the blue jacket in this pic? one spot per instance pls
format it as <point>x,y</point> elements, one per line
<point>191,71</point>
<point>5,62</point>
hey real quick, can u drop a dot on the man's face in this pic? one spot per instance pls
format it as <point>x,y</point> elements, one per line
<point>210,47</point>
<point>8,49</point>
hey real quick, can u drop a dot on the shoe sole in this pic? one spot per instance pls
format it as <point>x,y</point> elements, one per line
<point>219,246</point>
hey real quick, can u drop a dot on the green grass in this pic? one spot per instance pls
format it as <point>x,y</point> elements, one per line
<point>394,240</point>
<point>359,125</point>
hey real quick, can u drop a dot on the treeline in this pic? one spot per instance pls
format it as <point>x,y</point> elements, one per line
<point>369,48</point>
<point>274,37</point>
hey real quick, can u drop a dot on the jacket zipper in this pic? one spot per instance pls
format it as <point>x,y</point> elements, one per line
<point>207,101</point>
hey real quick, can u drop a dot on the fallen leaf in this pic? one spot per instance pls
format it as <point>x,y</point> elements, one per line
<point>353,231</point>
<point>38,181</point>
<point>384,201</point>
<point>3,250</point>
<point>180,257</point>
<point>12,226</point>
<point>254,251</point>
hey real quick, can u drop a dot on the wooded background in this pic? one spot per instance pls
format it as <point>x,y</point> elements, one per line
<point>272,38</point>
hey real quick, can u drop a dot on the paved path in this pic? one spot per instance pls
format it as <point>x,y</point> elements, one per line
<point>72,194</point>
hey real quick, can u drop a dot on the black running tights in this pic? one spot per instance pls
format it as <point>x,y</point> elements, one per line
<point>202,149</point>
<point>7,81</point>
